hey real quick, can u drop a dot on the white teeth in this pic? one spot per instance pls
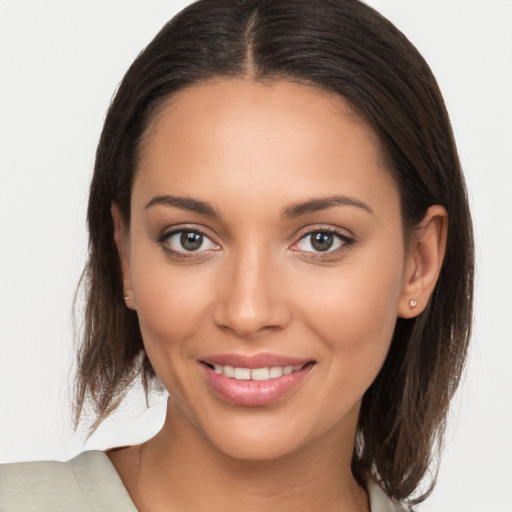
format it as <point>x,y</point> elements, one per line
<point>256,373</point>
<point>260,374</point>
<point>242,374</point>
<point>229,371</point>
<point>276,371</point>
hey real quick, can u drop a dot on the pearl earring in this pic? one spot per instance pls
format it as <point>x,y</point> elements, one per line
<point>413,303</point>
<point>126,297</point>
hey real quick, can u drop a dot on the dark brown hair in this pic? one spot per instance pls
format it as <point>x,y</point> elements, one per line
<point>345,47</point>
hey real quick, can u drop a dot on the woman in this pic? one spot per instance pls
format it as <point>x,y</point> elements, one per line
<point>279,235</point>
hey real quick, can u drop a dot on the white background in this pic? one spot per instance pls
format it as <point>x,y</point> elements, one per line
<point>60,61</point>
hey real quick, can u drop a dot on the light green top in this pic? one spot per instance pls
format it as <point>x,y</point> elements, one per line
<point>89,483</point>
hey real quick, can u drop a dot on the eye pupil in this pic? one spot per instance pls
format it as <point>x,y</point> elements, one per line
<point>322,241</point>
<point>191,240</point>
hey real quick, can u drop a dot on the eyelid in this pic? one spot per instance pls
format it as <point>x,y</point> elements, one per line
<point>174,230</point>
<point>347,240</point>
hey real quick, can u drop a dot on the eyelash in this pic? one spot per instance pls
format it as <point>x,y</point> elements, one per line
<point>184,254</point>
<point>345,242</point>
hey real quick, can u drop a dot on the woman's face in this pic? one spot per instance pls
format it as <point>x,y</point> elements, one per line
<point>265,238</point>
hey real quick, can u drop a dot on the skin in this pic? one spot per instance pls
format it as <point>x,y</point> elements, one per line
<point>254,151</point>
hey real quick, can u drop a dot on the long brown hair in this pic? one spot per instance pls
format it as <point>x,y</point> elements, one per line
<point>345,47</point>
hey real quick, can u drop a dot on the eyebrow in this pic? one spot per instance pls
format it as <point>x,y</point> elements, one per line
<point>184,203</point>
<point>296,210</point>
<point>315,205</point>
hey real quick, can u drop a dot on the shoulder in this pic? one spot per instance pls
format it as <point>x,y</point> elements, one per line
<point>40,486</point>
<point>86,483</point>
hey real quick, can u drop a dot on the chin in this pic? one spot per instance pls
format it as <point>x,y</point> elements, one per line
<point>257,447</point>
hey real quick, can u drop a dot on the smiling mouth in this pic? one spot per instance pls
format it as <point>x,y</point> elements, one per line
<point>251,383</point>
<point>259,374</point>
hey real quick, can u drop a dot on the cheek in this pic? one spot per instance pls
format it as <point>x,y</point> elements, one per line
<point>171,303</point>
<point>172,308</point>
<point>354,314</point>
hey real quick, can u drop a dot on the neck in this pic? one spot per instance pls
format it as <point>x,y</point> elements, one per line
<point>180,470</point>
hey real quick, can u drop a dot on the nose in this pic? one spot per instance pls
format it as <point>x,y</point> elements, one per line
<point>252,295</point>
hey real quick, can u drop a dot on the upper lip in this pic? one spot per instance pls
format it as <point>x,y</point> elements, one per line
<point>263,360</point>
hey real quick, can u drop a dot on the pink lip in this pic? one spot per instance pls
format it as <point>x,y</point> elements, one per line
<point>253,393</point>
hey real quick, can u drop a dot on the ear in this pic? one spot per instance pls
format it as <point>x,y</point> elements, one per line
<point>427,247</point>
<point>121,238</point>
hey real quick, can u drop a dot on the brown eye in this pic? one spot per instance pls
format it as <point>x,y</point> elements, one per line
<point>187,241</point>
<point>322,241</point>
<point>191,240</point>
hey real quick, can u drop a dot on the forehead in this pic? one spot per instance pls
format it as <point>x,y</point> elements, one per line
<point>241,134</point>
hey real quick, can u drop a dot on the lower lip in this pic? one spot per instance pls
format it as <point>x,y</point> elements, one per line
<point>253,392</point>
